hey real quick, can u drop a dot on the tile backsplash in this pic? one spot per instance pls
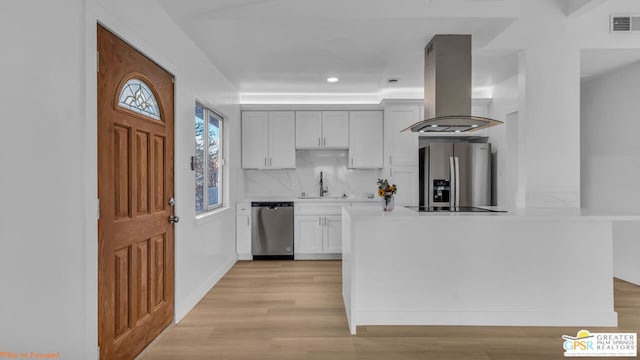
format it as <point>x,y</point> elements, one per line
<point>306,177</point>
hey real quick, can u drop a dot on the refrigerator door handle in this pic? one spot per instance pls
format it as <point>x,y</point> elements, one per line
<point>457,165</point>
<point>452,182</point>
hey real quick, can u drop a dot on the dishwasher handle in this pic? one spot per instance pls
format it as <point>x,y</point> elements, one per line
<point>272,205</point>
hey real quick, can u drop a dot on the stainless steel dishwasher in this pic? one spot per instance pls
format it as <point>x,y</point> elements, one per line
<point>272,230</point>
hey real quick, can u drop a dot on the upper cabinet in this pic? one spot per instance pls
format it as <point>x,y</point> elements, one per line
<point>322,129</point>
<point>401,148</point>
<point>365,140</point>
<point>268,140</point>
<point>335,129</point>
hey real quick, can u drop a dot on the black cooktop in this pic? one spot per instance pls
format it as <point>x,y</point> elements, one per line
<point>450,209</point>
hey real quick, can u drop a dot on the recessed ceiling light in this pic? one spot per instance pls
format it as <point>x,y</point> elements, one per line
<point>434,125</point>
<point>332,79</point>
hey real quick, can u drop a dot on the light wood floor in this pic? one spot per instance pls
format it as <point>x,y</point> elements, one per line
<point>294,310</point>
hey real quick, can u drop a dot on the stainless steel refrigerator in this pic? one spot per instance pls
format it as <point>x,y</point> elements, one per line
<point>455,174</point>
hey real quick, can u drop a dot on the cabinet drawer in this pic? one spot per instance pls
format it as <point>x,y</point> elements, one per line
<point>333,208</point>
<point>243,208</point>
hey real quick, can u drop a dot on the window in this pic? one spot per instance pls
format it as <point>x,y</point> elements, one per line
<point>137,96</point>
<point>208,160</point>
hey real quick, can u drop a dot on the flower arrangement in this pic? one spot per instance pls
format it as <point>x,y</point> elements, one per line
<point>387,191</point>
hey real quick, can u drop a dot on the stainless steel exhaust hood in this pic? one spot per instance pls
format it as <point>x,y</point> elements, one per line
<point>447,88</point>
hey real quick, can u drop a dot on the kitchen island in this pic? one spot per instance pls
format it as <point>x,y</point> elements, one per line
<point>527,267</point>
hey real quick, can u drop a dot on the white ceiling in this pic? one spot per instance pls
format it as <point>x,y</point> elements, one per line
<point>291,46</point>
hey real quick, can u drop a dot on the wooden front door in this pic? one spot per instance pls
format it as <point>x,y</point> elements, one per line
<point>135,185</point>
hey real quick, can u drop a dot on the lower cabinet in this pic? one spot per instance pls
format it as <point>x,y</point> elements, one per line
<point>243,231</point>
<point>318,234</point>
<point>332,240</point>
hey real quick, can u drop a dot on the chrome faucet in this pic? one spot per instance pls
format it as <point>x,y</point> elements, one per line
<point>323,189</point>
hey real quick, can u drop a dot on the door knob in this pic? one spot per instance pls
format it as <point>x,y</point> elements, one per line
<point>172,202</point>
<point>173,219</point>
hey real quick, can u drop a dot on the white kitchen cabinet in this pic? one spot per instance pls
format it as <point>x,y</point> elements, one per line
<point>401,148</point>
<point>243,230</point>
<point>308,234</point>
<point>406,178</point>
<point>318,230</point>
<point>308,129</point>
<point>335,129</point>
<point>322,129</point>
<point>282,140</point>
<point>318,234</point>
<point>332,236</point>
<point>365,140</point>
<point>255,139</point>
<point>268,140</point>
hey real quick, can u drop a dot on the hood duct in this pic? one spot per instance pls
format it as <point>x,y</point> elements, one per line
<point>447,88</point>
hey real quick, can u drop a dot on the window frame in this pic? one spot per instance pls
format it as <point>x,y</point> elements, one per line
<point>208,111</point>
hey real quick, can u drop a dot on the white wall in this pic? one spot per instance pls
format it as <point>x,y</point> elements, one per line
<point>42,241</point>
<point>610,162</point>
<point>48,227</point>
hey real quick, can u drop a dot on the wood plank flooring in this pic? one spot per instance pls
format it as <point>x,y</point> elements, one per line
<point>294,310</point>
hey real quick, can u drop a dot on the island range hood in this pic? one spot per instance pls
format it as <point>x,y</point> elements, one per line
<point>447,88</point>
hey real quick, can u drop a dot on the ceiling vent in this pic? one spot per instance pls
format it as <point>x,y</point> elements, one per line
<point>625,23</point>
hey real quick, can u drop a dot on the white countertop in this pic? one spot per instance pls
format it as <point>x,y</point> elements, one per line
<point>335,199</point>
<point>372,213</point>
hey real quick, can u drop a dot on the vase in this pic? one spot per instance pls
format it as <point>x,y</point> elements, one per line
<point>388,203</point>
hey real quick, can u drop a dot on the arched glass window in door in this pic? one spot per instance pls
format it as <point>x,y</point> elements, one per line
<point>137,96</point>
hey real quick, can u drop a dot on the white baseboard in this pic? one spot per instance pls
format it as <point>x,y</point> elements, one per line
<point>317,256</point>
<point>300,257</point>
<point>193,300</point>
<point>485,318</point>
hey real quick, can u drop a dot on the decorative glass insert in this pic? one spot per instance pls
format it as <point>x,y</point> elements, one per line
<point>137,96</point>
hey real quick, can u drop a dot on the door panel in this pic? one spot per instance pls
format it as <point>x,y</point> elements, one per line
<point>335,129</point>
<point>365,140</point>
<point>481,174</point>
<point>333,234</point>
<point>463,152</point>
<point>282,140</point>
<point>135,181</point>
<point>308,129</point>
<point>142,176</point>
<point>308,234</point>
<point>121,158</point>
<point>255,139</point>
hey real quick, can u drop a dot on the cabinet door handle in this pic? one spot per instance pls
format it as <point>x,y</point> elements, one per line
<point>390,163</point>
<point>319,144</point>
<point>325,221</point>
<point>319,220</point>
<point>265,162</point>
<point>324,142</point>
<point>269,162</point>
